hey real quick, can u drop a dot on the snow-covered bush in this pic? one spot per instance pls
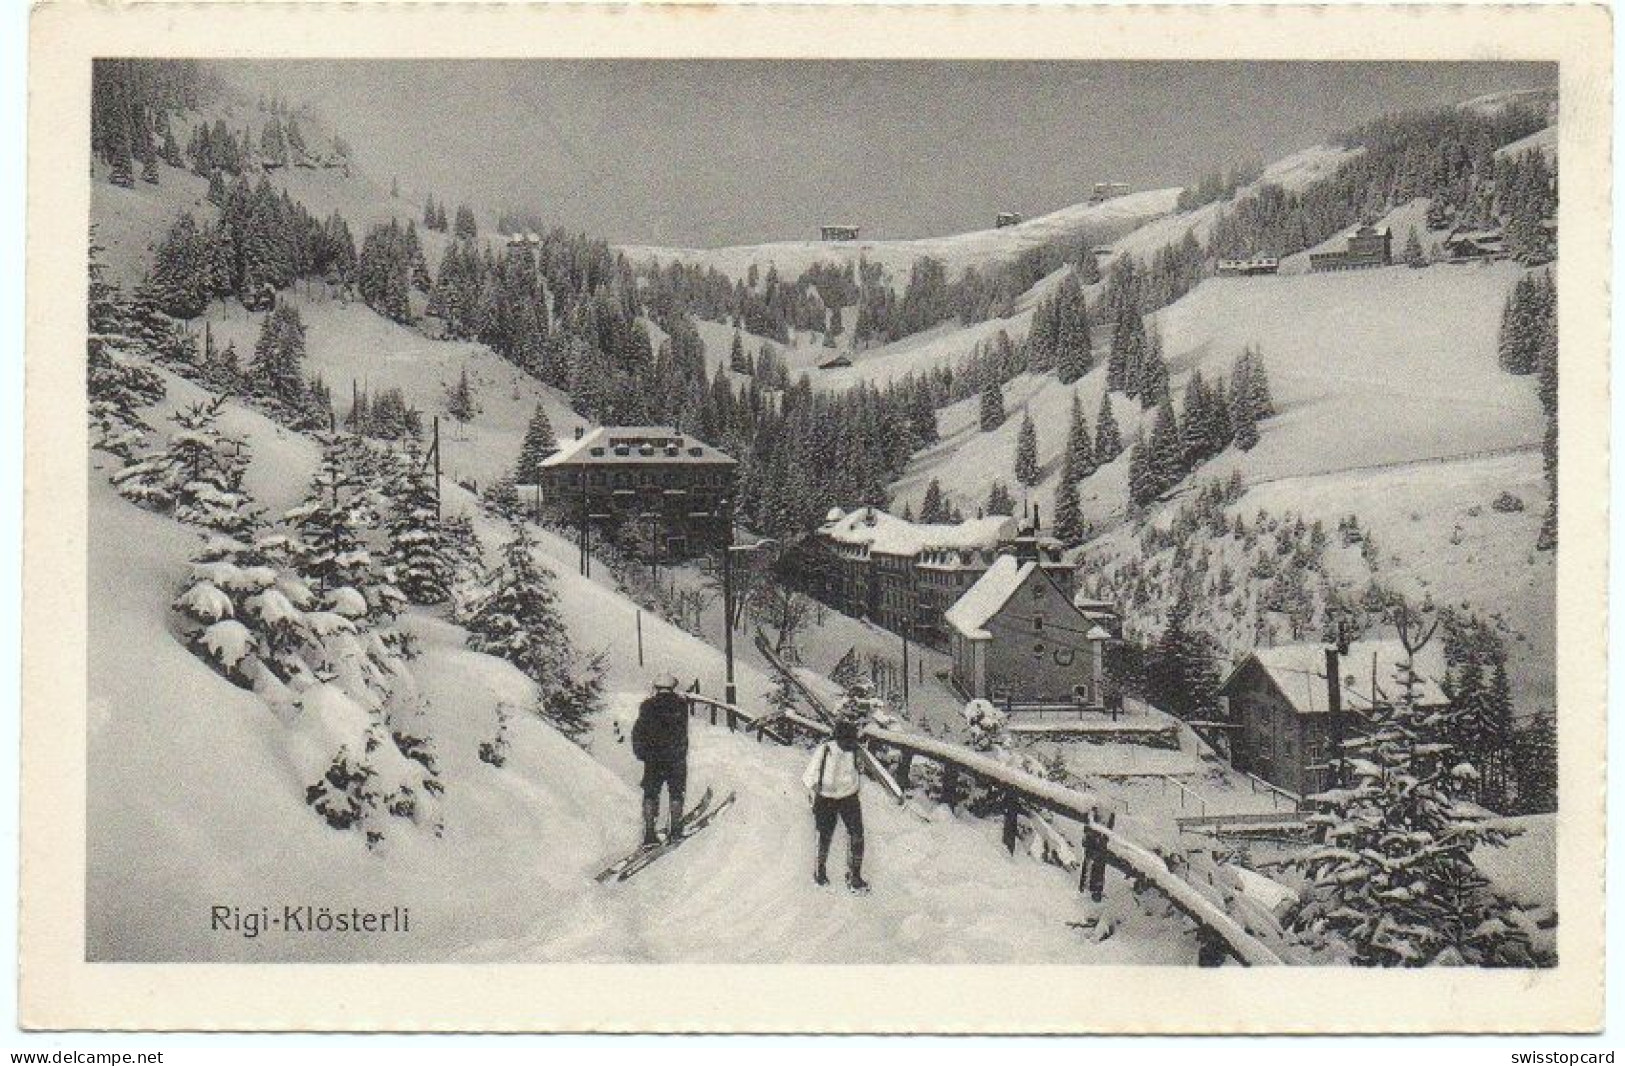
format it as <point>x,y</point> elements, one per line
<point>197,476</point>
<point>321,659</point>
<point>985,725</point>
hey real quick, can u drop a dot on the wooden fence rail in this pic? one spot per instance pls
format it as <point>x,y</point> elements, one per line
<point>1219,933</point>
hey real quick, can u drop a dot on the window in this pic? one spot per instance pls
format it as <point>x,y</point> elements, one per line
<point>1038,623</point>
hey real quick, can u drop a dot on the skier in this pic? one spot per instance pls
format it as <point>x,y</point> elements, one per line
<point>660,742</point>
<point>831,779</point>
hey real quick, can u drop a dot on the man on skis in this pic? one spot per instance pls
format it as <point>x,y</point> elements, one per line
<point>832,784</point>
<point>660,742</point>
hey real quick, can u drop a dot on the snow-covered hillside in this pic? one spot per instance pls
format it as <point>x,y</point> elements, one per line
<point>200,803</point>
<point>346,342</point>
<point>980,248</point>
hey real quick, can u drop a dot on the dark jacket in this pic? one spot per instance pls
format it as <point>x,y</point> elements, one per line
<point>661,732</point>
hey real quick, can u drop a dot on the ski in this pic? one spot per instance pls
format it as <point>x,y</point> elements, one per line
<point>690,827</point>
<point>614,868</point>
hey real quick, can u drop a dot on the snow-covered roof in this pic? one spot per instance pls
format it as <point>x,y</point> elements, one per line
<point>971,612</point>
<point>627,445</point>
<point>1299,672</point>
<point>884,532</point>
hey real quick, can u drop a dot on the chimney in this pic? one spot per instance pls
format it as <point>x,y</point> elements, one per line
<point>1334,709</point>
<point>579,430</point>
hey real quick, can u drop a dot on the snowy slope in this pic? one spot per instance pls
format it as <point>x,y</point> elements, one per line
<point>199,801</point>
<point>346,342</point>
<point>980,248</point>
<point>1333,345</point>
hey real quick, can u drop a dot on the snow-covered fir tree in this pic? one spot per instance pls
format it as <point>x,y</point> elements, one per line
<point>117,386</point>
<point>931,508</point>
<point>277,368</point>
<point>1027,452</point>
<point>539,443</point>
<point>460,402</point>
<point>197,476</point>
<point>1080,446</point>
<point>518,619</point>
<point>327,540</point>
<point>1108,438</point>
<point>992,408</point>
<point>417,558</point>
<point>1068,510</point>
<point>1392,879</point>
<point>1000,501</point>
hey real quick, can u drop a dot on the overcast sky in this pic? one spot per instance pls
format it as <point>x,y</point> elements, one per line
<point>726,152</point>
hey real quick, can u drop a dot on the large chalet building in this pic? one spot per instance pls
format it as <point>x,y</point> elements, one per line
<point>905,575</point>
<point>679,485</point>
<point>1283,710</point>
<point>1364,246</point>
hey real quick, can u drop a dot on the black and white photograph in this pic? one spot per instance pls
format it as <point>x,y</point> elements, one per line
<point>900,500</point>
<point>841,512</point>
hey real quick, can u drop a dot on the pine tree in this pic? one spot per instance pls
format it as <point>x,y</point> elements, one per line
<point>123,153</point>
<point>539,443</point>
<point>460,403</point>
<point>1108,438</point>
<point>1027,452</point>
<point>327,540</point>
<point>1414,256</point>
<point>992,409</point>
<point>1249,399</point>
<point>1068,509</point>
<point>1074,356</point>
<point>1392,879</point>
<point>999,500</point>
<point>197,477</point>
<point>1183,674</point>
<point>170,152</point>
<point>417,559</point>
<point>464,228</point>
<point>117,388</point>
<point>276,370</point>
<point>1080,448</point>
<point>1153,377</point>
<point>181,280</point>
<point>738,362</point>
<point>931,508</point>
<point>518,620</point>
<point>273,147</point>
<point>1142,488</point>
<point>1166,452</point>
<point>1534,761</point>
<point>1123,366</point>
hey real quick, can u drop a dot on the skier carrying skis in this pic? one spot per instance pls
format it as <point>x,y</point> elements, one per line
<point>660,742</point>
<point>832,785</point>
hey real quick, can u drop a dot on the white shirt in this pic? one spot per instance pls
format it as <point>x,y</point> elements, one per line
<point>833,771</point>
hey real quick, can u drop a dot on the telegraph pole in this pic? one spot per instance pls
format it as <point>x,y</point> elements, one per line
<point>730,693</point>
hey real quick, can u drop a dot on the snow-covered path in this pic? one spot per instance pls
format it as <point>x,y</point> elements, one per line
<point>741,890</point>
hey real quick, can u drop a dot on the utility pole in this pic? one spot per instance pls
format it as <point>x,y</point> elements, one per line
<point>905,664</point>
<point>436,450</point>
<point>730,692</point>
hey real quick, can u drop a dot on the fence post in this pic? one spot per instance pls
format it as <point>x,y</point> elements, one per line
<point>905,762</point>
<point>1011,807</point>
<point>950,786</point>
<point>1210,949</point>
